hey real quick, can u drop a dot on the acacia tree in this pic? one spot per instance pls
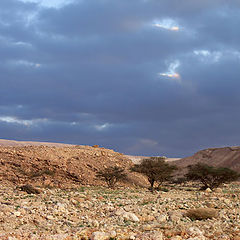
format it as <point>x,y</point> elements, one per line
<point>155,169</point>
<point>111,175</point>
<point>209,176</point>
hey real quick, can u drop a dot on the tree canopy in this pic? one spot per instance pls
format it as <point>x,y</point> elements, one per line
<point>155,169</point>
<point>209,176</point>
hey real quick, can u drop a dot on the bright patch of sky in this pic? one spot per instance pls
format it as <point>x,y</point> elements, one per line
<point>172,73</point>
<point>14,120</point>
<point>25,63</point>
<point>168,24</point>
<point>102,127</point>
<point>206,55</point>
<point>50,3</point>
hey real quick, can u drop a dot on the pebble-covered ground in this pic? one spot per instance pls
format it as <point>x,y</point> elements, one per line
<point>99,213</point>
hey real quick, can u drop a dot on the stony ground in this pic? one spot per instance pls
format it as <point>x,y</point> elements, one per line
<point>99,213</point>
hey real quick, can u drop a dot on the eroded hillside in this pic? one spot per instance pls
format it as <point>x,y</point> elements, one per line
<point>58,166</point>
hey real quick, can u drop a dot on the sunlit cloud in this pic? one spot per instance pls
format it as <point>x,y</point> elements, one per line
<point>102,127</point>
<point>171,73</point>
<point>14,120</point>
<point>25,44</point>
<point>25,63</point>
<point>50,3</point>
<point>206,55</point>
<point>168,24</point>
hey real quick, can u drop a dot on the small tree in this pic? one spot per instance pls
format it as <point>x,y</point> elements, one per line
<point>111,175</point>
<point>155,169</point>
<point>209,176</point>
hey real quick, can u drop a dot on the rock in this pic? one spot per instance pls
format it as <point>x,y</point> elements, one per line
<point>209,205</point>
<point>162,218</point>
<point>119,212</point>
<point>208,190</point>
<point>218,190</point>
<point>17,214</point>
<point>128,216</point>
<point>50,217</point>
<point>95,223</point>
<point>147,227</point>
<point>176,238</point>
<point>95,146</point>
<point>195,232</point>
<point>155,235</point>
<point>175,216</point>
<point>12,238</point>
<point>100,236</point>
<point>112,234</point>
<point>29,189</point>
<point>197,238</point>
<point>227,201</point>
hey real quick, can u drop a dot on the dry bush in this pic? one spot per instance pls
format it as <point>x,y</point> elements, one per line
<point>201,213</point>
<point>111,175</point>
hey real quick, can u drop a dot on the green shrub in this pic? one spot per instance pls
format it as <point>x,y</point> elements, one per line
<point>211,177</point>
<point>155,169</point>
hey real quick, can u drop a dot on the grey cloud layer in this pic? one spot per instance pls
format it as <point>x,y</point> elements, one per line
<point>90,71</point>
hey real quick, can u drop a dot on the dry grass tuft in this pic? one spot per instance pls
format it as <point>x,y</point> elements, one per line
<point>202,213</point>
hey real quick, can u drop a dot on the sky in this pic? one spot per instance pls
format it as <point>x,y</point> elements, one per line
<point>142,77</point>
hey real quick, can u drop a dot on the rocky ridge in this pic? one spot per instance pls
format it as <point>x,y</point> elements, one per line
<point>221,157</point>
<point>59,166</point>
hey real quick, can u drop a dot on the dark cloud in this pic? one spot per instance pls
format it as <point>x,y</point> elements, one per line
<point>91,72</point>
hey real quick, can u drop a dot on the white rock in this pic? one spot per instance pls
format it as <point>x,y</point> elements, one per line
<point>112,234</point>
<point>17,214</point>
<point>162,218</point>
<point>50,217</point>
<point>157,236</point>
<point>176,238</point>
<point>119,212</point>
<point>197,238</point>
<point>128,216</point>
<point>95,223</point>
<point>100,236</point>
<point>208,190</point>
<point>195,232</point>
<point>12,238</point>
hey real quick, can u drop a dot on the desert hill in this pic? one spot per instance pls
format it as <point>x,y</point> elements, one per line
<point>64,165</point>
<point>57,164</point>
<point>222,157</point>
<point>4,142</point>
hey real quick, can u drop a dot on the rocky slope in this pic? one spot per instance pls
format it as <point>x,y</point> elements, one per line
<point>59,166</point>
<point>224,157</point>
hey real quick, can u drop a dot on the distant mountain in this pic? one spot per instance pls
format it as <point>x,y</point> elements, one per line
<point>14,143</point>
<point>222,157</point>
